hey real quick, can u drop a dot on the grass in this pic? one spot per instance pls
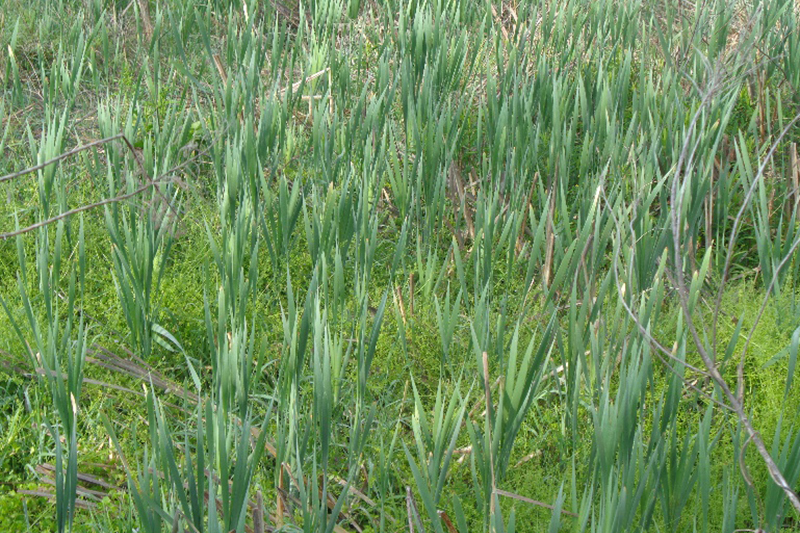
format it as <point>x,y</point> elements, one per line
<point>389,266</point>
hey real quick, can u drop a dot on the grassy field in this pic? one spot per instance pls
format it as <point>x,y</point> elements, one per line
<point>373,266</point>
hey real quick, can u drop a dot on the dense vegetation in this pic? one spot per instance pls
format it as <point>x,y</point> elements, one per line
<point>373,265</point>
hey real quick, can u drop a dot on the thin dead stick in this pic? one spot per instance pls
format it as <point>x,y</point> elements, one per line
<point>795,175</point>
<point>279,504</point>
<point>147,24</point>
<point>83,492</point>
<point>401,306</point>
<point>524,223</point>
<point>176,523</point>
<point>220,68</point>
<point>746,473</point>
<point>500,22</point>
<point>296,85</point>
<point>150,182</point>
<point>550,240</point>
<point>660,349</point>
<point>139,190</point>
<point>412,510</point>
<point>83,504</point>
<point>487,388</point>
<point>735,401</point>
<point>789,255</point>
<point>447,522</point>
<point>479,401</point>
<point>147,176</point>
<point>330,99</point>
<point>102,384</point>
<point>408,509</point>
<point>532,502</point>
<point>738,221</point>
<point>411,293</point>
<point>59,157</point>
<point>122,14</point>
<point>360,495</point>
<point>47,469</point>
<point>258,514</point>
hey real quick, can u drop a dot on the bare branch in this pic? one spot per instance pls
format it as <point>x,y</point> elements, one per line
<point>532,502</point>
<point>165,177</point>
<point>683,297</point>
<point>659,348</point>
<point>65,214</point>
<point>65,155</point>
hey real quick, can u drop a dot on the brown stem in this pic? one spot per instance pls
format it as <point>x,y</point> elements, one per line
<point>733,400</point>
<point>59,157</point>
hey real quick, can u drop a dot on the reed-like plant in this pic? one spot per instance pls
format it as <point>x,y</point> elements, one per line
<point>435,443</point>
<point>57,350</point>
<point>556,196</point>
